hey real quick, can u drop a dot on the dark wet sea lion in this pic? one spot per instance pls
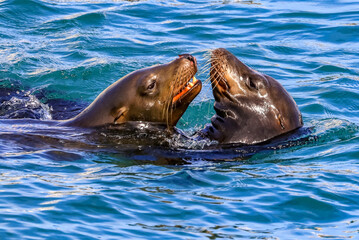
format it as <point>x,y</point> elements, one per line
<point>251,107</point>
<point>159,94</point>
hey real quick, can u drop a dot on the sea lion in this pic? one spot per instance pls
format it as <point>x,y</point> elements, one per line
<point>159,94</point>
<point>251,107</point>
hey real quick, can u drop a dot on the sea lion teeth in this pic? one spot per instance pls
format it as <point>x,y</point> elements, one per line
<point>186,87</point>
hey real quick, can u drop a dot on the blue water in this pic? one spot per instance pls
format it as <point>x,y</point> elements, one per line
<point>57,56</point>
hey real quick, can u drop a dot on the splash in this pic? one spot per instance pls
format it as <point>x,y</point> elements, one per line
<point>24,105</point>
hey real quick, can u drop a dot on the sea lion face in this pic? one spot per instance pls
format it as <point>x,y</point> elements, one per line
<point>251,107</point>
<point>158,94</point>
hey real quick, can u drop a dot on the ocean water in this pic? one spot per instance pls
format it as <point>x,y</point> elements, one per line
<point>57,56</point>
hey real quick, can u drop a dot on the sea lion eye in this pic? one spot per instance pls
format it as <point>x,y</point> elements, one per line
<point>151,85</point>
<point>251,84</point>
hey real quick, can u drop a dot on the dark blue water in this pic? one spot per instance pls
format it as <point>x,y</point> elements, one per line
<point>57,56</point>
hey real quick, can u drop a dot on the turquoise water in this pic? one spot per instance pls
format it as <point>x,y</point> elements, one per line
<point>56,56</point>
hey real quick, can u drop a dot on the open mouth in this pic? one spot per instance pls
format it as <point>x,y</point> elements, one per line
<point>186,89</point>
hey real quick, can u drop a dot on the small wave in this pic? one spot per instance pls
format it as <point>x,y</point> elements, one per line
<point>24,105</point>
<point>85,18</point>
<point>331,130</point>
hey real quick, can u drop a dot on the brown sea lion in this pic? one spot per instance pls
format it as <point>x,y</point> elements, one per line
<point>251,107</point>
<point>159,94</point>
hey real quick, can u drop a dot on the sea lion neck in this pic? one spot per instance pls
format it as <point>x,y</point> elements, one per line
<point>101,110</point>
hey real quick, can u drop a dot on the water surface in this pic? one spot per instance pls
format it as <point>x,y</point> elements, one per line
<point>57,56</point>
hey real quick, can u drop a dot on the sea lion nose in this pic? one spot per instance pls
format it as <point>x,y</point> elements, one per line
<point>189,57</point>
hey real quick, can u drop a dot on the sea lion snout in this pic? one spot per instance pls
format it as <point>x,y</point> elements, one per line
<point>190,58</point>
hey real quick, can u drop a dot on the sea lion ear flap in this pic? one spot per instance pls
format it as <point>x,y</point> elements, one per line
<point>278,117</point>
<point>119,114</point>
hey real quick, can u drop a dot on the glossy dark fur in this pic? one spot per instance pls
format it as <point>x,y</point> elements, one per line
<point>251,107</point>
<point>144,95</point>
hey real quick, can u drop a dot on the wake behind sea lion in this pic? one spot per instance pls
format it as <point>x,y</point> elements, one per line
<point>251,107</point>
<point>159,94</point>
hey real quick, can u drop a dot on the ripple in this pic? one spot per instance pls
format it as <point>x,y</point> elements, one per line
<point>56,56</point>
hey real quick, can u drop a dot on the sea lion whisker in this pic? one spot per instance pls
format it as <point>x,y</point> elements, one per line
<point>212,64</point>
<point>169,103</point>
<point>177,83</point>
<point>218,77</point>
<point>214,82</point>
<point>208,54</point>
<point>173,86</point>
<point>208,62</point>
<point>205,69</point>
<point>207,80</point>
<point>217,73</point>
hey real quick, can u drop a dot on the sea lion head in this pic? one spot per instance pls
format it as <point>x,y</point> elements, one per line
<point>251,107</point>
<point>159,94</point>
